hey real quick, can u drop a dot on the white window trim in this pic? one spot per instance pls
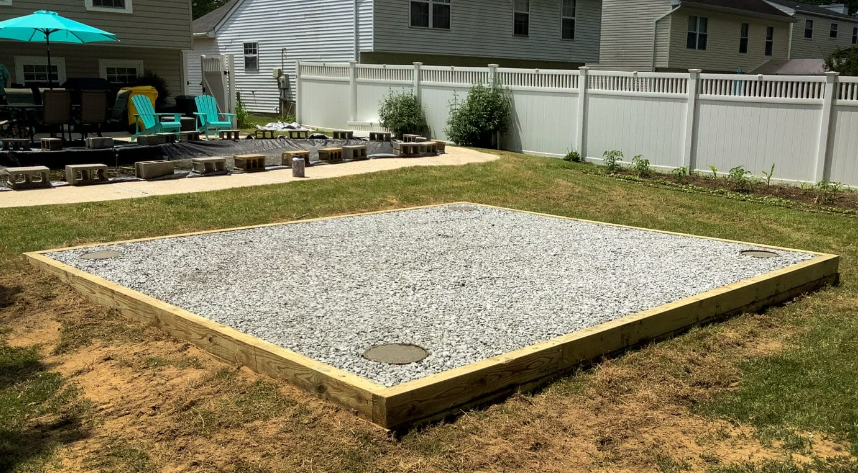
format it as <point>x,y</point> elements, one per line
<point>432,15</point>
<point>244,56</point>
<point>128,7</point>
<point>5,3</point>
<point>20,61</point>
<point>103,64</point>
<point>855,35</point>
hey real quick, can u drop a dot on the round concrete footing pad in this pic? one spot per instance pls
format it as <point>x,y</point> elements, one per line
<point>101,255</point>
<point>396,353</point>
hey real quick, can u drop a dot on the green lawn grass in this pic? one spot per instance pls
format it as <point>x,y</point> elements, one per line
<point>811,385</point>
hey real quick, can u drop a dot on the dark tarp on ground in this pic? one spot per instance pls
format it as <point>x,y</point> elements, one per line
<point>126,154</point>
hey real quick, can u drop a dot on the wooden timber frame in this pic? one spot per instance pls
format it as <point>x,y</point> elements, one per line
<point>451,392</point>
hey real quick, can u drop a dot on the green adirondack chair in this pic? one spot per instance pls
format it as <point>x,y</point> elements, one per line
<point>208,117</point>
<point>151,121</point>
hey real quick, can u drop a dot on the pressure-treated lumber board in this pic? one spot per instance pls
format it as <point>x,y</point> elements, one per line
<point>436,396</point>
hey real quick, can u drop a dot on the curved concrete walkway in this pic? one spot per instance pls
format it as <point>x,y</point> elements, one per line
<point>136,189</point>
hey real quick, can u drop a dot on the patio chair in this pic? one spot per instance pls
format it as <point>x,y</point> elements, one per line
<point>57,111</point>
<point>208,117</point>
<point>93,111</point>
<point>151,121</point>
<point>118,115</point>
<point>20,97</point>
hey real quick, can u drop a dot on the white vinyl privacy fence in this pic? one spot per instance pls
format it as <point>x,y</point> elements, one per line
<point>806,125</point>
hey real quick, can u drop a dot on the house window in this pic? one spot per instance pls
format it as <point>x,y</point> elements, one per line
<point>251,56</point>
<point>120,71</point>
<point>808,28</point>
<point>116,6</point>
<point>855,35</point>
<point>833,32</point>
<point>743,39</point>
<point>34,70</point>
<point>698,35</point>
<point>770,40</point>
<point>568,19</point>
<point>521,17</point>
<point>439,17</point>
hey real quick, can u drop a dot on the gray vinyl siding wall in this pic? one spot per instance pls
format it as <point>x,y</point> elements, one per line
<point>821,44</point>
<point>484,28</point>
<point>722,51</point>
<point>627,34</point>
<point>153,23</point>
<point>81,61</point>
<point>320,31</point>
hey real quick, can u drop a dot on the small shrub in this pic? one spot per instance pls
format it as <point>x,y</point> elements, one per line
<point>611,159</point>
<point>738,178</point>
<point>714,171</point>
<point>484,114</point>
<point>572,156</point>
<point>769,175</point>
<point>641,166</point>
<point>242,118</point>
<point>680,174</point>
<point>401,113</point>
<point>826,192</point>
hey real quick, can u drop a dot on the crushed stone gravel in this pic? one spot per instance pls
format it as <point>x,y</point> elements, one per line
<point>465,282</point>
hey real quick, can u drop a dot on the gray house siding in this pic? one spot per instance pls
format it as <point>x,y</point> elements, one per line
<point>484,29</point>
<point>627,34</point>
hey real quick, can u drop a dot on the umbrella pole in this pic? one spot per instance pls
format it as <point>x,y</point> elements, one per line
<point>50,75</point>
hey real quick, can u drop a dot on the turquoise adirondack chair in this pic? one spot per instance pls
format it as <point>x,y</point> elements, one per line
<point>151,121</point>
<point>208,117</point>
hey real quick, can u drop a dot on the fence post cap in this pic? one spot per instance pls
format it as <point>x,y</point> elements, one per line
<point>584,68</point>
<point>494,65</point>
<point>418,63</point>
<point>352,62</point>
<point>832,74</point>
<point>695,71</point>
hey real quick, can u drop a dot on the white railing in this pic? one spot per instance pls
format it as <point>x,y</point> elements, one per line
<point>762,87</point>
<point>638,82</point>
<point>323,70</point>
<point>384,73</point>
<point>539,79</point>
<point>455,75</point>
<point>848,90</point>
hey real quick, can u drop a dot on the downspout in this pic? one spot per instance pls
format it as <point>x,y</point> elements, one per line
<point>789,47</point>
<point>357,33</point>
<point>655,34</point>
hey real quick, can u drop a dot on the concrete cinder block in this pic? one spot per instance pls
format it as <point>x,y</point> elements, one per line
<point>52,144</point>
<point>331,155</point>
<point>98,142</point>
<point>86,174</point>
<point>408,138</point>
<point>16,144</point>
<point>343,134</point>
<point>405,149</point>
<point>379,136</point>
<point>228,134</point>
<point>151,140</point>
<point>209,166</point>
<point>153,169</point>
<point>250,162</point>
<point>32,177</point>
<point>298,134</point>
<point>420,139</point>
<point>355,152</point>
<point>288,155</point>
<point>189,136</point>
<point>440,145</point>
<point>264,134</point>
<point>169,138</point>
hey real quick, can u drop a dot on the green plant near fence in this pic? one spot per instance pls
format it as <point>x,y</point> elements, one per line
<point>401,113</point>
<point>611,159</point>
<point>483,116</point>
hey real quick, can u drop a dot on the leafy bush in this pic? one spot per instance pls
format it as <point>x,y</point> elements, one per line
<point>611,159</point>
<point>242,118</point>
<point>484,114</point>
<point>401,113</point>
<point>158,82</point>
<point>738,178</point>
<point>572,156</point>
<point>680,174</point>
<point>641,166</point>
<point>826,192</point>
<point>844,61</point>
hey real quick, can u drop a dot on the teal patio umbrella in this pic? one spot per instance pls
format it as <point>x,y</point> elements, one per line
<point>46,26</point>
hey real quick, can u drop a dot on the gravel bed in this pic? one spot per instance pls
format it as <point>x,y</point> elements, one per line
<point>464,282</point>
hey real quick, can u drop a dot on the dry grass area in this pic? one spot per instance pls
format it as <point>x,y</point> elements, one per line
<point>128,398</point>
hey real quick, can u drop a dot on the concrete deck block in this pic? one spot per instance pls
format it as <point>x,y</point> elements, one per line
<point>16,144</point>
<point>32,177</point>
<point>287,157</point>
<point>98,142</point>
<point>409,138</point>
<point>264,134</point>
<point>151,140</point>
<point>343,134</point>
<point>209,166</point>
<point>298,134</point>
<point>153,169</point>
<point>420,139</point>
<point>52,144</point>
<point>441,145</point>
<point>189,136</point>
<point>86,174</point>
<point>379,136</point>
<point>228,134</point>
<point>331,155</point>
<point>405,149</point>
<point>427,147</point>
<point>250,162</point>
<point>355,152</point>
<point>169,138</point>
